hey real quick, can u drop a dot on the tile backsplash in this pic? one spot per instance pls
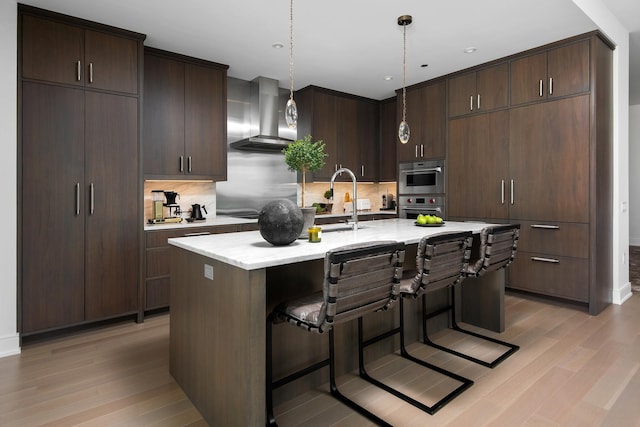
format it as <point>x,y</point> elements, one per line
<point>204,193</point>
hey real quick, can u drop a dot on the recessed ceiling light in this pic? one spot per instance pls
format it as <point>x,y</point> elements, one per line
<point>388,78</point>
<point>424,65</point>
<point>470,50</point>
<point>277,45</point>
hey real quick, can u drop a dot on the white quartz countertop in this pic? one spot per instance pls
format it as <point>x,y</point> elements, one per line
<point>248,249</point>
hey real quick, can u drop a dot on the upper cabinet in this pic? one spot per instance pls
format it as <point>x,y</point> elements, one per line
<point>388,140</point>
<point>426,116</point>
<point>64,53</point>
<point>349,127</point>
<point>557,72</point>
<point>479,91</point>
<point>185,117</point>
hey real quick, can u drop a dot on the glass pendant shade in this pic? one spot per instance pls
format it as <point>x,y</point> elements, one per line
<point>404,133</point>
<point>291,114</point>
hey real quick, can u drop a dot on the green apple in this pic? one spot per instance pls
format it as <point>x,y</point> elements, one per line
<point>421,219</point>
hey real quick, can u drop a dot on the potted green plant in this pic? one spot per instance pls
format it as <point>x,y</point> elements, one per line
<point>304,156</point>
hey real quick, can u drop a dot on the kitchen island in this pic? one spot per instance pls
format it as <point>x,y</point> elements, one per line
<point>223,286</point>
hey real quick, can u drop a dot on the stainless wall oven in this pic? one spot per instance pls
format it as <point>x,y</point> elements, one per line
<point>410,207</point>
<point>425,177</point>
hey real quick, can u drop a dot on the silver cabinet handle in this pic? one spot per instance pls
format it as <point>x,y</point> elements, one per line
<point>92,198</point>
<point>416,151</point>
<point>540,88</point>
<point>421,150</point>
<point>550,85</point>
<point>478,103</point>
<point>189,164</point>
<point>77,198</point>
<point>202,233</point>
<point>502,192</point>
<point>78,71</point>
<point>471,103</point>
<point>362,170</point>
<point>541,259</point>
<point>512,191</point>
<point>181,163</point>
<point>90,72</point>
<point>545,226</point>
<point>335,167</point>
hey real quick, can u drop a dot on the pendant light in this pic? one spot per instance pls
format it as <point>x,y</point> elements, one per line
<point>291,110</point>
<point>403,130</point>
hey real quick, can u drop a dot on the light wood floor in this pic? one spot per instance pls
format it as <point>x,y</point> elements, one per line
<point>572,370</point>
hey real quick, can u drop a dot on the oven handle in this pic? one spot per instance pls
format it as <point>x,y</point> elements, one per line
<point>436,209</point>
<point>436,169</point>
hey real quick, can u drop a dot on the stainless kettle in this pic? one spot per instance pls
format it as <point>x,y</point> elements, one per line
<point>196,211</point>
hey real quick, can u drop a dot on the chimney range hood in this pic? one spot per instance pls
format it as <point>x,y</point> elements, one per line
<point>264,117</point>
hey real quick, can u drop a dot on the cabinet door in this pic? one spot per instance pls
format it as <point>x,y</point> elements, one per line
<point>325,128</point>
<point>111,62</point>
<point>163,143</point>
<point>492,88</point>
<point>368,141</point>
<point>462,93</point>
<point>478,166</point>
<point>388,140</point>
<point>347,138</point>
<point>205,122</point>
<point>526,75</point>
<point>568,67</point>
<point>113,217</point>
<point>549,160</point>
<point>434,122</point>
<point>53,207</point>
<point>52,51</point>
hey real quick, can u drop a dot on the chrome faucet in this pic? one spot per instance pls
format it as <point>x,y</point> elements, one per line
<point>354,218</point>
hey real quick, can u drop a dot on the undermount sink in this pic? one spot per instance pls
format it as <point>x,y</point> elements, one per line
<point>342,227</point>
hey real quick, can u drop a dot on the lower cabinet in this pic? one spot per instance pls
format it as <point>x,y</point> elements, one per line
<point>157,252</point>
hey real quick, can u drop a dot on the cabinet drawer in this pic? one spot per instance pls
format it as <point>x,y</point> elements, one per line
<point>156,239</point>
<point>557,276</point>
<point>555,238</point>
<point>158,262</point>
<point>157,293</point>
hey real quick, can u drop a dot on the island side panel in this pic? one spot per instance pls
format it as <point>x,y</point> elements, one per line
<point>217,338</point>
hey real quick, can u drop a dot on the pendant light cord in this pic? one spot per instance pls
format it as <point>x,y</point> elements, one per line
<point>291,52</point>
<point>404,72</point>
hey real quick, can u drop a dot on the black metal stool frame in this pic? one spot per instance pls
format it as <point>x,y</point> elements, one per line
<point>465,238</point>
<point>480,269</point>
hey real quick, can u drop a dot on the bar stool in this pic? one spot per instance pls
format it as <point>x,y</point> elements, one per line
<point>358,279</point>
<point>497,250</point>
<point>440,261</point>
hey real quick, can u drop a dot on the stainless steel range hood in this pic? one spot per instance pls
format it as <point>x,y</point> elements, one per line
<point>265,114</point>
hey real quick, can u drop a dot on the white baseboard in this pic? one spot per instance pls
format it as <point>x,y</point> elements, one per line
<point>622,294</point>
<point>9,345</point>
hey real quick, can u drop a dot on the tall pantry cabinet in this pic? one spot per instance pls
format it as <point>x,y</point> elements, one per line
<point>79,168</point>
<point>545,161</point>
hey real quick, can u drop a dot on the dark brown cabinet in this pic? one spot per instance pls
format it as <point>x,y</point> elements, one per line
<point>185,120</point>
<point>157,274</point>
<point>426,116</point>
<point>478,167</point>
<point>348,126</point>
<point>73,55</point>
<point>479,91</point>
<point>388,140</point>
<point>80,202</point>
<point>554,73</point>
<point>546,163</point>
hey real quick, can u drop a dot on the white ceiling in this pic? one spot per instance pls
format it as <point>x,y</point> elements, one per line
<point>350,46</point>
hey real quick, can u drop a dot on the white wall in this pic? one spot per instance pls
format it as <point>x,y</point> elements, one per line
<point>634,175</point>
<point>616,32</point>
<point>9,342</point>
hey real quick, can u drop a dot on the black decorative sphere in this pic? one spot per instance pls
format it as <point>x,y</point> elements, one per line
<point>280,222</point>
